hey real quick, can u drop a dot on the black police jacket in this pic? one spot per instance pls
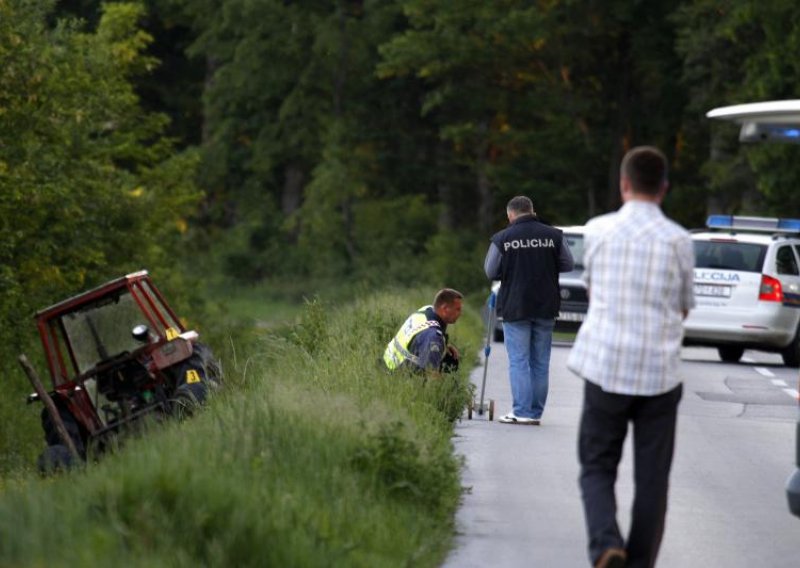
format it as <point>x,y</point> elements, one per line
<point>528,269</point>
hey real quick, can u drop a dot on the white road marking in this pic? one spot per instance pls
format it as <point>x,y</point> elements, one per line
<point>764,372</point>
<point>792,393</point>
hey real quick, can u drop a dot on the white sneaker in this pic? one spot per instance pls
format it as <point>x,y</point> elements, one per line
<point>510,418</point>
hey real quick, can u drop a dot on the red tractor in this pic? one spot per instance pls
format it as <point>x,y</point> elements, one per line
<point>116,354</point>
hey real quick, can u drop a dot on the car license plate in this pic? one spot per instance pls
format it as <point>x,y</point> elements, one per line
<point>571,316</point>
<point>713,290</point>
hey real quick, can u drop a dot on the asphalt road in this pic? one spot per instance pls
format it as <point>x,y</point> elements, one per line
<point>727,508</point>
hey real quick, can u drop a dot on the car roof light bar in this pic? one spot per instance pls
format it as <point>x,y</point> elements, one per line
<point>767,112</point>
<point>753,224</point>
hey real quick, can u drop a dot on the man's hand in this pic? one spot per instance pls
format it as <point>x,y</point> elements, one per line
<point>451,349</point>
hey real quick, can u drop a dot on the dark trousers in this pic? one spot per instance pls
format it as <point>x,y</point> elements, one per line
<point>604,425</point>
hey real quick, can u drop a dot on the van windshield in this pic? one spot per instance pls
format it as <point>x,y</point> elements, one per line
<point>729,255</point>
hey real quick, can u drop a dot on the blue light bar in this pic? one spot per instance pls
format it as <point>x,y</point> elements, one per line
<point>789,225</point>
<point>753,224</point>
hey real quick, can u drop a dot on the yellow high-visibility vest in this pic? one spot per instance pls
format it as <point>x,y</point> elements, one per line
<point>397,351</point>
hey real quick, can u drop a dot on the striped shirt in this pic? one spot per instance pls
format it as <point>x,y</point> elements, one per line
<point>639,270</point>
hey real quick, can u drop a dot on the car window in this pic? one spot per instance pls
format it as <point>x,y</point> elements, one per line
<point>746,257</point>
<point>575,243</point>
<point>785,263</point>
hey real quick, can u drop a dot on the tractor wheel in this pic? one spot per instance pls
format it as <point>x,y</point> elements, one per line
<point>54,459</point>
<point>211,366</point>
<point>51,436</point>
<point>184,402</point>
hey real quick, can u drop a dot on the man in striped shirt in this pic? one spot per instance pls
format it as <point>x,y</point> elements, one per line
<point>639,272</point>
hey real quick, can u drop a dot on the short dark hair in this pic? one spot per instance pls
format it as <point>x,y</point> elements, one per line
<point>520,205</point>
<point>646,168</point>
<point>446,296</point>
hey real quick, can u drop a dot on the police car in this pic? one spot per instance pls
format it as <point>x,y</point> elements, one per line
<point>747,287</point>
<point>574,299</point>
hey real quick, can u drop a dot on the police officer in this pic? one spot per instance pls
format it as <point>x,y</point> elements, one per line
<point>421,342</point>
<point>526,257</point>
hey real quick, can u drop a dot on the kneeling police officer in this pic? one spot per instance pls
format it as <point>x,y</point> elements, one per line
<point>421,342</point>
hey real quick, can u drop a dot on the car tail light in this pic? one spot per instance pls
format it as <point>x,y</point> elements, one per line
<point>770,290</point>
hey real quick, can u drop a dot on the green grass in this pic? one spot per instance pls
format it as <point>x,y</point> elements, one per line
<point>312,456</point>
<point>257,304</point>
<point>564,335</point>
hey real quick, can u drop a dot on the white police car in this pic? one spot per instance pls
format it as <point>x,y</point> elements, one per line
<point>574,299</point>
<point>747,287</point>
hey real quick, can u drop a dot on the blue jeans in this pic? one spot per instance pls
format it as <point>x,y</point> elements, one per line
<point>528,345</point>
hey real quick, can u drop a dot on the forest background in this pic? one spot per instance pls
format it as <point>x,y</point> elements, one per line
<point>354,145</point>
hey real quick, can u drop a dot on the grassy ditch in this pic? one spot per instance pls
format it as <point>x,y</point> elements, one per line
<point>313,456</point>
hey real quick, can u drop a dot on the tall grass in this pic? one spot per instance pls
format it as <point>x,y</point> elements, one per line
<point>312,456</point>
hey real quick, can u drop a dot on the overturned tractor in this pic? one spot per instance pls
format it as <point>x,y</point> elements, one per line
<point>116,355</point>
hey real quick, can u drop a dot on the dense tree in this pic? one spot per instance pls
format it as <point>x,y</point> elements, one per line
<point>543,98</point>
<point>374,138</point>
<point>89,188</point>
<point>304,144</point>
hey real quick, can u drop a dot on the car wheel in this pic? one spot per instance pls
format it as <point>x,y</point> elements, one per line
<point>730,353</point>
<point>498,335</point>
<point>791,355</point>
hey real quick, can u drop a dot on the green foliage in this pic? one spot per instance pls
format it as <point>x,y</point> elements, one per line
<point>310,457</point>
<point>312,331</point>
<point>92,187</point>
<point>455,260</point>
<point>395,462</point>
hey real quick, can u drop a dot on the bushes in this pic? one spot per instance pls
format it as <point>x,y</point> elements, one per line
<point>396,464</point>
<point>312,456</point>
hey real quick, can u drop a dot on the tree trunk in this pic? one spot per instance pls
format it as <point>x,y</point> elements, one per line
<point>620,124</point>
<point>292,196</point>
<point>444,189</point>
<point>485,200</point>
<point>483,186</point>
<point>339,85</point>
